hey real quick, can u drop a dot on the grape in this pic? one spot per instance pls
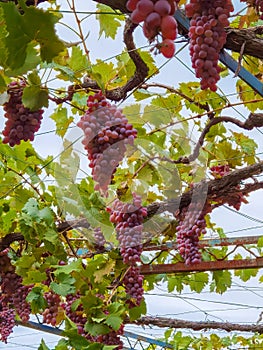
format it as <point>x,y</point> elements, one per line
<point>157,16</point>
<point>51,312</point>
<point>162,7</point>
<point>167,48</point>
<point>131,4</point>
<point>207,37</point>
<point>145,7</point>
<point>169,27</point>
<point>22,123</point>
<point>106,134</point>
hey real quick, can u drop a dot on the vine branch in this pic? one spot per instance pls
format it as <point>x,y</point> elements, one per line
<point>197,326</point>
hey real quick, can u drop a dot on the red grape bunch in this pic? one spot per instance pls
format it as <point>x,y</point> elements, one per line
<point>51,312</point>
<point>12,297</point>
<point>7,322</point>
<point>157,17</point>
<point>189,231</point>
<point>22,123</point>
<point>128,219</point>
<point>106,134</point>
<point>259,8</point>
<point>219,171</point>
<point>207,37</point>
<point>112,338</point>
<point>75,314</point>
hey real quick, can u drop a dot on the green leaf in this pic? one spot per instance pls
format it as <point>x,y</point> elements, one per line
<point>136,312</point>
<point>198,281</point>
<point>78,61</point>
<point>96,329</point>
<point>109,23</point>
<point>114,321</point>
<point>34,25</point>
<point>222,280</point>
<point>35,97</point>
<point>62,289</point>
<point>103,271</point>
<point>36,300</point>
<point>43,346</point>
<point>245,275</point>
<point>60,117</point>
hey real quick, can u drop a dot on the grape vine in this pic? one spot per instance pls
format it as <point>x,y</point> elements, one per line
<point>22,123</point>
<point>207,37</point>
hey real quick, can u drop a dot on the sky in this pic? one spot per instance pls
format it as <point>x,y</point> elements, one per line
<point>242,303</point>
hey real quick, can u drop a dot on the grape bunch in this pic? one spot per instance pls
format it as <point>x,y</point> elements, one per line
<point>106,134</point>
<point>259,8</point>
<point>157,17</point>
<point>207,37</point>
<point>7,322</point>
<point>112,338</point>
<point>128,218</point>
<point>51,312</point>
<point>133,282</point>
<point>99,240</point>
<point>75,315</point>
<point>22,123</point>
<point>189,230</point>
<point>219,171</point>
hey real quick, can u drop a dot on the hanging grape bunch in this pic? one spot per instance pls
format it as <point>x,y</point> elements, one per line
<point>22,123</point>
<point>191,226</point>
<point>106,134</point>
<point>157,17</point>
<point>128,218</point>
<point>207,37</point>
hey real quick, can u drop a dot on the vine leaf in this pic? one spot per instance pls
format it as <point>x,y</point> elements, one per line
<point>34,25</point>
<point>109,24</point>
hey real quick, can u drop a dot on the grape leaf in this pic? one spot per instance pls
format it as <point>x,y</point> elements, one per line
<point>109,23</point>
<point>35,97</point>
<point>60,117</point>
<point>34,25</point>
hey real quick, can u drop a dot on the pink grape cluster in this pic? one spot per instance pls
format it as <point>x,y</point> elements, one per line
<point>207,37</point>
<point>157,16</point>
<point>133,282</point>
<point>99,239</point>
<point>189,230</point>
<point>76,314</point>
<point>7,322</point>
<point>12,297</point>
<point>51,312</point>
<point>128,218</point>
<point>22,123</point>
<point>106,134</point>
<point>220,170</point>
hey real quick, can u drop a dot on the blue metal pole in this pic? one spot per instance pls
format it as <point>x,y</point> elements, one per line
<point>127,334</point>
<point>226,59</point>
